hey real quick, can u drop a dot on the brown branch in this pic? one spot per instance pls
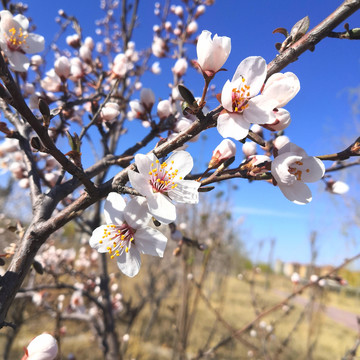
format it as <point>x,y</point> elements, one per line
<point>313,37</point>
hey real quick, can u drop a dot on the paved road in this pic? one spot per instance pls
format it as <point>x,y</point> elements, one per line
<point>343,317</point>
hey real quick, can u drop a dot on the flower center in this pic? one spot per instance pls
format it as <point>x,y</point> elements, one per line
<point>240,97</point>
<point>15,38</point>
<point>297,170</point>
<point>120,237</point>
<point>162,177</point>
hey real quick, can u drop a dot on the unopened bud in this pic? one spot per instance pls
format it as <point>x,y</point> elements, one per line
<point>225,150</point>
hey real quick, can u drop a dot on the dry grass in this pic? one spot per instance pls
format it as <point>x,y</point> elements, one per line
<point>232,300</point>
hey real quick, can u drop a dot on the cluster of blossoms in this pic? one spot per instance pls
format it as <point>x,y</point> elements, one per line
<point>126,233</point>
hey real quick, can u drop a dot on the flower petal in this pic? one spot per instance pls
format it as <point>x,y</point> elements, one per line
<point>253,69</point>
<point>226,96</point>
<point>186,191</point>
<point>260,110</point>
<point>114,209</point>
<point>232,125</point>
<point>143,162</point>
<point>183,162</point>
<point>299,193</point>
<point>129,262</point>
<point>150,241</point>
<point>34,44</point>
<point>282,87</point>
<point>313,169</point>
<point>98,242</point>
<point>161,207</point>
<point>22,21</point>
<point>140,183</point>
<point>18,61</point>
<point>292,148</point>
<point>280,168</point>
<point>137,213</point>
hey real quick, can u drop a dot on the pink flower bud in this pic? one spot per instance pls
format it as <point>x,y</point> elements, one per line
<point>43,347</point>
<point>138,109</point>
<point>212,53</point>
<point>282,121</point>
<point>155,68</point>
<point>147,98</point>
<point>167,25</point>
<point>76,69</point>
<point>36,60</point>
<point>159,47</point>
<point>110,111</point>
<point>73,40</point>
<point>120,66</point>
<point>249,148</point>
<point>85,53</point>
<point>62,67</point>
<point>89,42</point>
<point>200,10</point>
<point>192,28</point>
<point>179,11</point>
<point>164,109</point>
<point>337,187</point>
<point>225,150</point>
<point>180,67</point>
<point>280,141</point>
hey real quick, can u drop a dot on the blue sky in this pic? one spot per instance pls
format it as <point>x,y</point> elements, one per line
<point>322,120</point>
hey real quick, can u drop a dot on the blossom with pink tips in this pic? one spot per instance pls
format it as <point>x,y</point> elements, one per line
<point>292,168</point>
<point>225,150</point>
<point>127,234</point>
<point>163,183</point>
<point>15,40</point>
<point>212,53</point>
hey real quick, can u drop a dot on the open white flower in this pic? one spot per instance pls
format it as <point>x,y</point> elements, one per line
<point>212,53</point>
<point>164,183</point>
<point>242,104</point>
<point>15,41</point>
<point>292,168</point>
<point>126,234</point>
